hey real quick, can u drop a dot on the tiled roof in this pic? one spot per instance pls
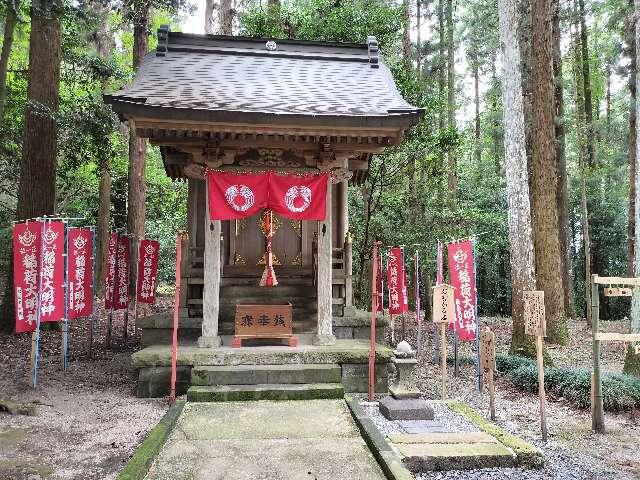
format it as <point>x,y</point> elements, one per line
<point>238,74</point>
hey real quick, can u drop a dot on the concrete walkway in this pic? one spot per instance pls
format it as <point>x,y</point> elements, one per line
<point>263,440</point>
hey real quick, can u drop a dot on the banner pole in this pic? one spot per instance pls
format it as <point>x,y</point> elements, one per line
<point>455,352</point>
<point>93,291</point>
<point>135,295</point>
<point>436,340</point>
<point>176,306</point>
<point>65,321</point>
<point>475,289</point>
<point>372,329</point>
<point>39,305</point>
<point>417,303</point>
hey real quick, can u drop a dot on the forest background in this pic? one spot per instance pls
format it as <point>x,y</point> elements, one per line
<point>446,181</point>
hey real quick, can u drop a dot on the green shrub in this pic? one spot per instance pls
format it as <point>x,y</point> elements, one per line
<point>619,392</point>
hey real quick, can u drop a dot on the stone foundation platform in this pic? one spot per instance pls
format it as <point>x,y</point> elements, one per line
<point>350,356</point>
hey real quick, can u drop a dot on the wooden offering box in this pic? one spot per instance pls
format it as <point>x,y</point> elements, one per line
<point>264,321</point>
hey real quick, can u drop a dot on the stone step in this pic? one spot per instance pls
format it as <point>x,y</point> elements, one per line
<point>266,374</point>
<point>271,391</point>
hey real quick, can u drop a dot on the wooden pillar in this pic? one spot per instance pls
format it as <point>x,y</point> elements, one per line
<point>348,272</point>
<point>343,198</point>
<point>211,297</point>
<point>192,215</point>
<point>325,321</point>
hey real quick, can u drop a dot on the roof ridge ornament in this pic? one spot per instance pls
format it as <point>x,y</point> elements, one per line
<point>372,44</point>
<point>163,40</point>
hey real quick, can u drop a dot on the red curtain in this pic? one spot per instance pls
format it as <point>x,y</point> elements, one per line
<point>80,244</point>
<point>298,197</point>
<point>147,271</point>
<point>233,195</point>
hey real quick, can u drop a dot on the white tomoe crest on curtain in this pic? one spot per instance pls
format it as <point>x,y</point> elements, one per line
<point>234,191</point>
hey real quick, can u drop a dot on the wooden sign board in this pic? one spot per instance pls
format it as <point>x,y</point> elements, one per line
<point>534,319</point>
<point>617,292</point>
<point>487,350</point>
<point>444,310</point>
<point>263,321</point>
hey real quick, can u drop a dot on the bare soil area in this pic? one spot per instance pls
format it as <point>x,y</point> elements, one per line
<point>88,421</point>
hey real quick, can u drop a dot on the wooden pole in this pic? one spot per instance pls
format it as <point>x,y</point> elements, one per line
<point>374,308</point>
<point>455,353</point>
<point>443,359</point>
<point>492,406</point>
<point>176,308</point>
<point>597,407</point>
<point>393,328</point>
<point>541,393</point>
<point>33,355</point>
<point>65,320</point>
<point>93,291</point>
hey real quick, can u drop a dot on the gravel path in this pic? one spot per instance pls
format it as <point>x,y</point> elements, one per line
<point>573,451</point>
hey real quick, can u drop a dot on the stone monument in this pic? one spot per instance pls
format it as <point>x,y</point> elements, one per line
<point>404,403</point>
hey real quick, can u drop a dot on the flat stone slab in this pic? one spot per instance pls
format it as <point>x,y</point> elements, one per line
<point>343,351</point>
<point>423,457</point>
<point>442,437</point>
<point>400,393</point>
<point>406,409</point>
<point>297,440</point>
<point>422,426</point>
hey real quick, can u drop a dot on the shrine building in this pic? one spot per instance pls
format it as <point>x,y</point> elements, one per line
<point>251,105</point>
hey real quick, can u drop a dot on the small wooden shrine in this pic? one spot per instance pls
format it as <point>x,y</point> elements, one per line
<point>250,104</point>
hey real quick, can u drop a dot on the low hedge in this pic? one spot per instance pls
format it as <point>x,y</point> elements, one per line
<point>619,391</point>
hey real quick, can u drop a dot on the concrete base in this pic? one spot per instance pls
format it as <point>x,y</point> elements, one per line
<point>156,381</point>
<point>413,409</point>
<point>324,340</point>
<point>209,342</point>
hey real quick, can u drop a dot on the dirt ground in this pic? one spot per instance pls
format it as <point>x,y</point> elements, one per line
<point>89,421</point>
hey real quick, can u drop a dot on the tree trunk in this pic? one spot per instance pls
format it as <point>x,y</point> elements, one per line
<point>545,176</point>
<point>521,251</point>
<point>561,194</point>
<point>441,90</point>
<point>418,39</point>
<point>137,187</point>
<point>226,17</point>
<point>9,28</point>
<point>208,17</point>
<point>586,79</point>
<point>632,359</point>
<point>476,90</point>
<point>583,153</point>
<point>406,35</point>
<point>631,154</point>
<point>452,182</point>
<point>103,44</point>
<point>524,41</point>
<point>37,187</point>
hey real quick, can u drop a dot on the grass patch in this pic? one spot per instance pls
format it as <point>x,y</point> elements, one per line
<point>620,392</point>
<point>138,466</point>
<point>528,455</point>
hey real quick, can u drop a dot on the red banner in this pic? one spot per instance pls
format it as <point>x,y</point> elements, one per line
<point>299,197</point>
<point>397,282</point>
<point>121,298</point>
<point>110,271</point>
<point>26,265</point>
<point>233,195</point>
<point>461,270</point>
<point>80,276</point>
<point>147,271</point>
<point>52,293</point>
